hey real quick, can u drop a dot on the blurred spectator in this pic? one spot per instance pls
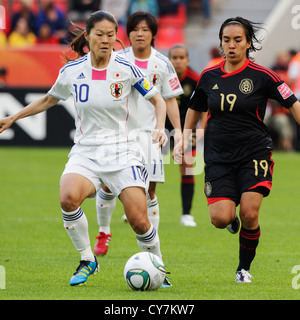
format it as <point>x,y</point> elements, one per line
<point>279,120</point>
<point>144,5</point>
<point>215,57</point>
<point>294,82</point>
<point>21,36</point>
<point>168,7</point>
<point>118,8</point>
<point>44,35</point>
<point>55,18</point>
<point>3,73</point>
<point>3,39</point>
<point>26,13</point>
<point>80,10</point>
<point>204,5</point>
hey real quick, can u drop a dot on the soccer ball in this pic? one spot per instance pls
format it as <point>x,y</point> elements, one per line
<point>144,271</point>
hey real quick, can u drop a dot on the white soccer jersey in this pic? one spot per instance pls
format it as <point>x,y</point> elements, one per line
<point>160,73</point>
<point>105,102</point>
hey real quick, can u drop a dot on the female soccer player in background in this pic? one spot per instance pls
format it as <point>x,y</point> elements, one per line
<point>104,86</point>
<point>237,144</point>
<point>188,78</point>
<point>141,31</point>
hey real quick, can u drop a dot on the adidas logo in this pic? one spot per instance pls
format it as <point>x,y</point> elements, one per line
<point>215,87</point>
<point>81,76</point>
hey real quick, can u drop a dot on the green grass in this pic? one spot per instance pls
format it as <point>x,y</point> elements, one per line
<point>39,257</point>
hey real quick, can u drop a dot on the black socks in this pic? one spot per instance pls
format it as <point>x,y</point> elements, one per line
<point>187,192</point>
<point>248,243</point>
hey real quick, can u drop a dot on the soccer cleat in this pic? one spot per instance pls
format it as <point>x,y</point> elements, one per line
<point>102,243</point>
<point>166,284</point>
<point>124,218</point>
<point>84,270</point>
<point>234,226</point>
<point>243,276</point>
<point>188,221</point>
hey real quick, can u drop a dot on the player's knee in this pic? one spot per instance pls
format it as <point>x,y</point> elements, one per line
<point>140,226</point>
<point>151,190</point>
<point>68,203</point>
<point>105,188</point>
<point>249,219</point>
<point>220,220</point>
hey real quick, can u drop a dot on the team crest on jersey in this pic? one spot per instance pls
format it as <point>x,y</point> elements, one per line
<point>208,189</point>
<point>154,78</point>
<point>116,90</point>
<point>246,86</point>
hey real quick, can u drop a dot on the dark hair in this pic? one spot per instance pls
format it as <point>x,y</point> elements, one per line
<point>179,46</point>
<point>250,29</point>
<point>79,44</point>
<point>139,16</point>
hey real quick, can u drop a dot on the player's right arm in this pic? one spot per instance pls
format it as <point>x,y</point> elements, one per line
<point>191,119</point>
<point>33,108</point>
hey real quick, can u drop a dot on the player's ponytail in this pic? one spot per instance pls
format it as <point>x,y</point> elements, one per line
<point>79,44</point>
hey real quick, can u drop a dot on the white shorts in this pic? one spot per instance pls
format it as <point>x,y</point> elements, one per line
<point>116,181</point>
<point>153,158</point>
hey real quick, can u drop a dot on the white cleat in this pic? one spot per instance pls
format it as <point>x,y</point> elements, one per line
<point>188,221</point>
<point>243,276</point>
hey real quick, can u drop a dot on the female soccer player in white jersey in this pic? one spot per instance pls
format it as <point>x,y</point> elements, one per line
<point>105,87</point>
<point>141,31</point>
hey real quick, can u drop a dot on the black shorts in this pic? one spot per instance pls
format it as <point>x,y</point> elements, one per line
<point>230,181</point>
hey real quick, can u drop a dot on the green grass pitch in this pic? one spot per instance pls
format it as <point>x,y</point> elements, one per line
<point>38,257</point>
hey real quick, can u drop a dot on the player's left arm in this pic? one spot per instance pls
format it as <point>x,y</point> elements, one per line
<point>174,116</point>
<point>295,111</point>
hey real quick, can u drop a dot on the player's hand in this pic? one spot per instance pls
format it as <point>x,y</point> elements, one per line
<point>5,123</point>
<point>178,152</point>
<point>159,136</point>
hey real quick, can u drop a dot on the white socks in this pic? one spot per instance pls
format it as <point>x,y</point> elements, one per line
<point>105,206</point>
<point>76,224</point>
<point>149,241</point>
<point>153,212</point>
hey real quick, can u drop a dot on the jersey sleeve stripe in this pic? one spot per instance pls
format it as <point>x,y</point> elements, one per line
<point>271,73</point>
<point>136,72</point>
<point>73,63</point>
<point>208,69</point>
<point>167,61</point>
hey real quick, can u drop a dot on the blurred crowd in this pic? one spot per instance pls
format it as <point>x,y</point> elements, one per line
<point>30,22</point>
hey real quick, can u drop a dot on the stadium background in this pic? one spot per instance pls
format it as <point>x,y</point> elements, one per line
<point>26,73</point>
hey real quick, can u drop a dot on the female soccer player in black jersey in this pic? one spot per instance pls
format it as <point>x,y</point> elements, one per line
<point>237,144</point>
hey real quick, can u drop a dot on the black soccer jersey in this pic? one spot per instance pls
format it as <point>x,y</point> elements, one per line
<point>188,82</point>
<point>237,103</point>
